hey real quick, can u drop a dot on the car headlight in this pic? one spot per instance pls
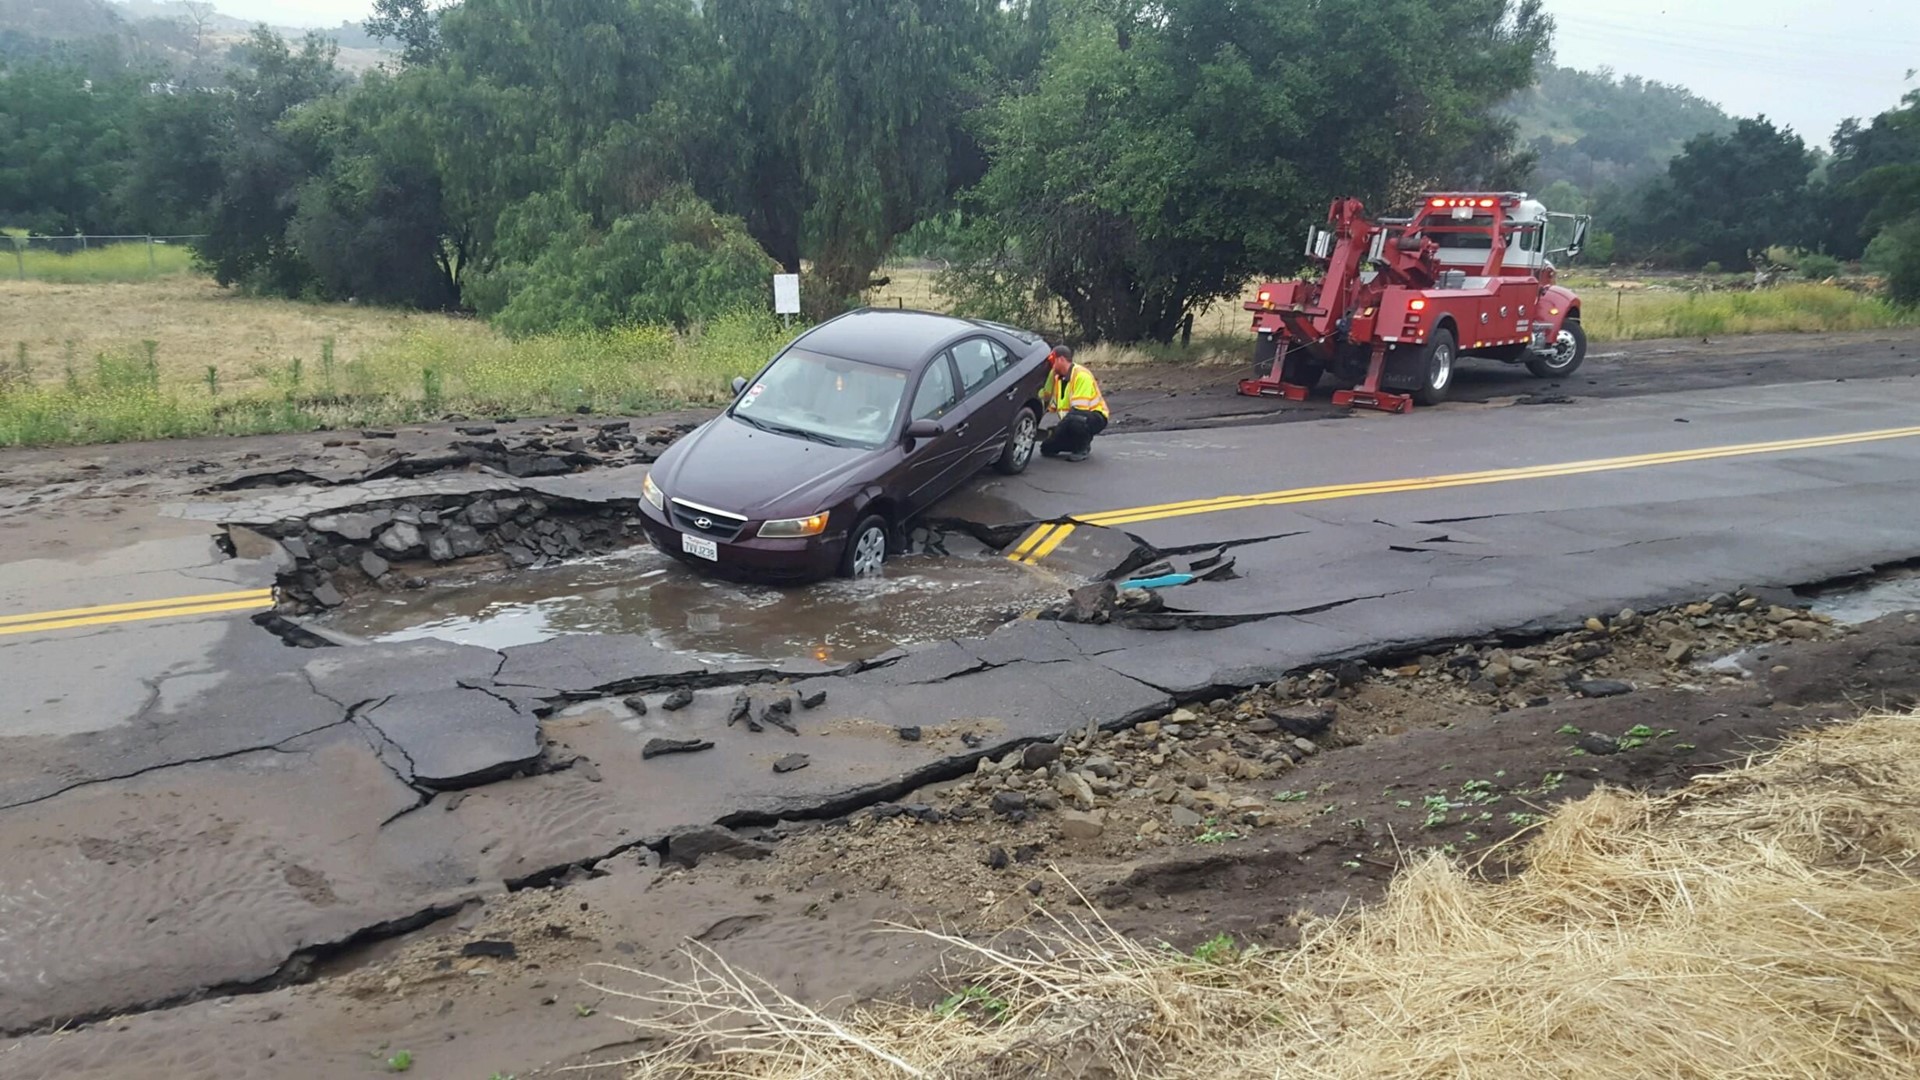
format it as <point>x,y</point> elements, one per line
<point>789,527</point>
<point>653,493</point>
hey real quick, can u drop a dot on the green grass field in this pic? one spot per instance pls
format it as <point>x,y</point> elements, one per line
<point>1614,314</point>
<point>120,262</point>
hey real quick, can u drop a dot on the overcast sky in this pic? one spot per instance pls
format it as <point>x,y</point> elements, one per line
<point>1805,63</point>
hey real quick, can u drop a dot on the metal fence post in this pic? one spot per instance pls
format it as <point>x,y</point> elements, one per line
<point>20,255</point>
<point>152,267</point>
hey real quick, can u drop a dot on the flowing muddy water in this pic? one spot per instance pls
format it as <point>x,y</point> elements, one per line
<point>1883,594</point>
<point>639,591</point>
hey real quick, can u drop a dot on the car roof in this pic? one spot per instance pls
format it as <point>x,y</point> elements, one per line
<point>889,338</point>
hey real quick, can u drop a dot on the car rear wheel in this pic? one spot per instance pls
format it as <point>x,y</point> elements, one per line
<point>1436,369</point>
<point>866,548</point>
<point>1018,452</point>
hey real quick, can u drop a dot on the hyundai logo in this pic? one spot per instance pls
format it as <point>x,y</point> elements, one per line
<point>703,523</point>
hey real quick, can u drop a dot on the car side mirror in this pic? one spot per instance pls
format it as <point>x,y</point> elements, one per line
<point>739,384</point>
<point>923,429</point>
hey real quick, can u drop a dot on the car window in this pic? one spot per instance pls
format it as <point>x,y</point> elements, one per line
<point>840,400</point>
<point>935,395</point>
<point>980,362</point>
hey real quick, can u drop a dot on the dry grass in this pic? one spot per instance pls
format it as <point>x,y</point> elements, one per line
<point>1762,923</point>
<point>195,323</point>
<point>181,357</point>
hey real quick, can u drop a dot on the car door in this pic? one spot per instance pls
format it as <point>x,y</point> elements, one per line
<point>989,395</point>
<point>934,465</point>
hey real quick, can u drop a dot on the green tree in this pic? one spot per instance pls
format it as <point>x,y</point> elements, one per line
<point>1170,151</point>
<point>1895,252</point>
<point>372,225</point>
<point>412,24</point>
<point>63,146</point>
<point>1728,196</point>
<point>840,122</point>
<point>172,168</point>
<point>1872,179</point>
<point>675,262</point>
<point>264,163</point>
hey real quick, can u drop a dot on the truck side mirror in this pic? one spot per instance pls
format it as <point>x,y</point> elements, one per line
<point>1579,237</point>
<point>739,384</point>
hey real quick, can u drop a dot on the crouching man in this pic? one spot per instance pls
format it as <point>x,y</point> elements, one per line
<point>1072,394</point>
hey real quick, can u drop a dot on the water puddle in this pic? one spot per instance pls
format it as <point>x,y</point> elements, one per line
<point>917,598</point>
<point>1884,594</point>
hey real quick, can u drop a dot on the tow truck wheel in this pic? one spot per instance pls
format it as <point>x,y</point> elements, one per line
<point>1569,349</point>
<point>1300,370</point>
<point>1436,368</point>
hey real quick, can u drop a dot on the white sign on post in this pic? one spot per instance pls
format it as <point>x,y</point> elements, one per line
<point>786,294</point>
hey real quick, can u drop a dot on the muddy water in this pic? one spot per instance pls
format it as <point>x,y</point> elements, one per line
<point>917,598</point>
<point>1884,594</point>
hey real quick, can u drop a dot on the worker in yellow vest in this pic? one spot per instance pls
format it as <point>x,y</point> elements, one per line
<point>1072,394</point>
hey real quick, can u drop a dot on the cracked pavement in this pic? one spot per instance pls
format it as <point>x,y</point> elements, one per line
<point>193,806</point>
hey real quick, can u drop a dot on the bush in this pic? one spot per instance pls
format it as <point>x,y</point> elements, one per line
<point>1600,248</point>
<point>1816,267</point>
<point>1712,267</point>
<point>1896,254</point>
<point>678,262</point>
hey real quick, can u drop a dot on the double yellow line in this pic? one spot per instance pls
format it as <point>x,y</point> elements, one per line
<point>171,608</point>
<point>1040,542</point>
<point>1043,539</point>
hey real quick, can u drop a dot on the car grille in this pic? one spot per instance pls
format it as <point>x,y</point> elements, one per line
<point>706,521</point>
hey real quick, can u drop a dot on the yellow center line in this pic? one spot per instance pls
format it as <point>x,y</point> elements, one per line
<point>1046,548</point>
<point>1032,539</point>
<point>134,616</point>
<point>138,605</point>
<point>1494,476</point>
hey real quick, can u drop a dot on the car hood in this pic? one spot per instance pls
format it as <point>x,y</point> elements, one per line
<point>735,467</point>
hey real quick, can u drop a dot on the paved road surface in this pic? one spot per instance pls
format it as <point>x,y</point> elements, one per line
<point>186,802</point>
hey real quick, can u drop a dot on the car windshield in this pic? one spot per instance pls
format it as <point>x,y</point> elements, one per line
<point>826,399</point>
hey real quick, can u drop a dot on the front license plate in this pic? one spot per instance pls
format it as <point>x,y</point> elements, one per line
<point>700,548</point>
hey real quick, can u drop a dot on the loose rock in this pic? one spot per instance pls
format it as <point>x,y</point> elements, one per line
<point>1082,825</point>
<point>792,763</point>
<point>1602,688</point>
<point>1039,755</point>
<point>657,747</point>
<point>690,845</point>
<point>678,700</point>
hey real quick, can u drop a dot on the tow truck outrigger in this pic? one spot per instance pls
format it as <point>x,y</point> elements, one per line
<point>1401,300</point>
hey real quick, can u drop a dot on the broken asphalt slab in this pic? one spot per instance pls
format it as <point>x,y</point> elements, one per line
<point>452,738</point>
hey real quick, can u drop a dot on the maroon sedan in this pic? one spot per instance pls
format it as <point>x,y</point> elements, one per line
<point>861,423</point>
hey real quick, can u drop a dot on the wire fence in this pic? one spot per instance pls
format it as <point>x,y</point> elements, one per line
<point>85,258</point>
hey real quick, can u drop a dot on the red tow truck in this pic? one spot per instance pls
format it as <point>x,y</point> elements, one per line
<point>1400,301</point>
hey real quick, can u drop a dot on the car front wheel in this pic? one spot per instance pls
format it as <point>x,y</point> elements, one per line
<point>1018,452</point>
<point>866,548</point>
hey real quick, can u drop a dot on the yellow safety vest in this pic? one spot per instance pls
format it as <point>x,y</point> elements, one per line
<point>1080,392</point>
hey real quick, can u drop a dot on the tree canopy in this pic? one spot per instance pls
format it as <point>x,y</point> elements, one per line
<point>1114,165</point>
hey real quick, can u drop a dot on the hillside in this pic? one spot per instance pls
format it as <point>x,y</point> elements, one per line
<point>189,42</point>
<point>1591,128</point>
<point>60,20</point>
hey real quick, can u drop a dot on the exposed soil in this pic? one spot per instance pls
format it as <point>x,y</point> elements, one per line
<point>1229,817</point>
